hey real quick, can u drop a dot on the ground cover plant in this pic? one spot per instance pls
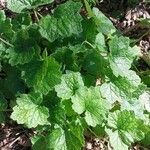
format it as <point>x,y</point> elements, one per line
<point>69,73</point>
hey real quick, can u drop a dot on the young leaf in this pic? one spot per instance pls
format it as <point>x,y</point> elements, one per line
<point>89,100</point>
<point>100,42</point>
<point>145,100</point>
<point>70,138</point>
<point>70,83</point>
<point>121,55</point>
<point>104,25</point>
<point>65,22</point>
<point>42,75</point>
<point>115,140</point>
<point>6,31</point>
<point>126,127</point>
<point>111,92</point>
<point>95,64</point>
<point>28,111</point>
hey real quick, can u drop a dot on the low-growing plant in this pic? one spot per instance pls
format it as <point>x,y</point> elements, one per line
<point>69,72</point>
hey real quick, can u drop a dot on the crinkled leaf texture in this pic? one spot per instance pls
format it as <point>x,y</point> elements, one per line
<point>65,22</point>
<point>145,100</point>
<point>70,83</point>
<point>19,5</point>
<point>115,140</point>
<point>28,111</point>
<point>89,100</point>
<point>119,90</point>
<point>42,75</point>
<point>126,129</point>
<point>70,138</point>
<point>12,84</point>
<point>2,53</point>
<point>110,92</point>
<point>125,94</point>
<point>5,26</point>
<point>104,25</point>
<point>121,55</point>
<point>25,48</point>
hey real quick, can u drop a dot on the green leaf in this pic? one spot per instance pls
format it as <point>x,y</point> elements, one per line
<point>28,111</point>
<point>56,108</point>
<point>89,29</point>
<point>19,5</point>
<point>100,42</point>
<point>39,143</point>
<point>145,100</point>
<point>111,92</point>
<point>146,80</point>
<point>115,140</point>
<point>69,138</point>
<point>12,84</point>
<point>25,48</point>
<point>65,22</point>
<point>69,56</point>
<point>6,31</point>
<point>119,90</point>
<point>128,84</point>
<point>70,83</point>
<point>88,8</point>
<point>42,75</point>
<point>2,15</point>
<point>95,64</point>
<point>125,95</point>
<point>121,55</point>
<point>89,100</point>
<point>2,54</point>
<point>104,25</point>
<point>21,21</point>
<point>127,127</point>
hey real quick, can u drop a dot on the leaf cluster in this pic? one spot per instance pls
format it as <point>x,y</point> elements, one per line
<point>67,73</point>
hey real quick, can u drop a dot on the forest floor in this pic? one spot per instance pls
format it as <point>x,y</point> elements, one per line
<point>125,18</point>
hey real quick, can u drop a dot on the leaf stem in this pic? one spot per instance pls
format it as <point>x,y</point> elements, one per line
<point>5,42</point>
<point>92,132</point>
<point>89,44</point>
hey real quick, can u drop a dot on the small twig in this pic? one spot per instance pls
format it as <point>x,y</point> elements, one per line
<point>130,29</point>
<point>5,42</point>
<point>147,72</point>
<point>39,14</point>
<point>14,141</point>
<point>36,16</point>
